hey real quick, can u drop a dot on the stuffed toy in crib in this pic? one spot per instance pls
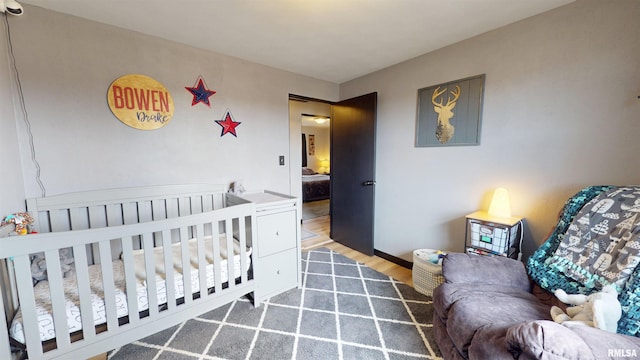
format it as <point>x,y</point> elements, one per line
<point>21,220</point>
<point>39,265</point>
<point>601,310</point>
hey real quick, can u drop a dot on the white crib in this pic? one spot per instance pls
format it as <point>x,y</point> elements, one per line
<point>178,248</point>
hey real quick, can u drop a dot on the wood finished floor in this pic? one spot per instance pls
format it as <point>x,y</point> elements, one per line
<point>321,227</point>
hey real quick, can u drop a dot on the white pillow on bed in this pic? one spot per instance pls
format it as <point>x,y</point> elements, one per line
<point>308,171</point>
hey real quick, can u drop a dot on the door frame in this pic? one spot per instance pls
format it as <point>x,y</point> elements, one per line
<point>310,106</point>
<point>305,106</point>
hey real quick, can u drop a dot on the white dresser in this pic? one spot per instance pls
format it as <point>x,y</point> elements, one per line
<point>277,268</point>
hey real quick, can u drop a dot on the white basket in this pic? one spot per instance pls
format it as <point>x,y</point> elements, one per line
<point>426,275</point>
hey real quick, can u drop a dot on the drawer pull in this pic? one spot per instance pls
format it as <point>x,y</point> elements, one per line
<point>277,233</point>
<point>278,272</point>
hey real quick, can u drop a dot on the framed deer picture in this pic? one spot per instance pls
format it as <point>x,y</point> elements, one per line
<point>449,114</point>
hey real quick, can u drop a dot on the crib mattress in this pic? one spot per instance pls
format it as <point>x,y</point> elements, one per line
<point>43,301</point>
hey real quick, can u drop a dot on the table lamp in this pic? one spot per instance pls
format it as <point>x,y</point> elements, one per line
<point>500,206</point>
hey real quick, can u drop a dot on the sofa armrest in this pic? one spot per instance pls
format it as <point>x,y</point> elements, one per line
<point>490,270</point>
<point>544,339</point>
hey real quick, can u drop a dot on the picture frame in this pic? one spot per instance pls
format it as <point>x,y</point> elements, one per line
<point>312,144</point>
<point>450,114</point>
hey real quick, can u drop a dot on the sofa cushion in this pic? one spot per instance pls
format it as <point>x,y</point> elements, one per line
<point>491,270</point>
<point>448,294</point>
<point>467,308</point>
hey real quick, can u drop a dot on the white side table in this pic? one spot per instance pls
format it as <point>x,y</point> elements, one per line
<point>277,243</point>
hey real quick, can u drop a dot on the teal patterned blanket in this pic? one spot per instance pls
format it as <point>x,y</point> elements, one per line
<point>595,243</point>
<point>601,245</point>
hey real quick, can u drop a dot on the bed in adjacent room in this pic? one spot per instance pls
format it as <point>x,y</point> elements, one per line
<point>315,186</point>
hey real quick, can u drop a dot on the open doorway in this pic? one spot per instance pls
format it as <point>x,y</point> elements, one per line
<point>316,166</point>
<point>315,211</point>
<point>351,164</point>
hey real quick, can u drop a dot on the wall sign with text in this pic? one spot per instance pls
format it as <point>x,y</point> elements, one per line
<point>140,102</point>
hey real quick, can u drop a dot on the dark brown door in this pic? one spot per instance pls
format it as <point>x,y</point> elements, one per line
<point>353,142</point>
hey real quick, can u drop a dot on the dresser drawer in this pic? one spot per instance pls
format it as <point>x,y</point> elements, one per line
<point>278,273</point>
<point>276,232</point>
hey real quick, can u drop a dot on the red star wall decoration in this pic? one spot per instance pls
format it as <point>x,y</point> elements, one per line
<point>228,125</point>
<point>200,93</point>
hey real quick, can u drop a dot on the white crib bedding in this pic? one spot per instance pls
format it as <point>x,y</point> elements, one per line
<point>43,301</point>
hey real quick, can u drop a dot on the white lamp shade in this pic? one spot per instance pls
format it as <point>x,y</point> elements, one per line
<point>500,206</point>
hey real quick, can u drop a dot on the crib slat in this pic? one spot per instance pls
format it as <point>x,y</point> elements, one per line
<point>186,265</point>
<point>184,209</point>
<point>196,205</point>
<point>54,275</point>
<point>172,208</point>
<point>228,225</point>
<point>218,201</point>
<point>28,305</point>
<point>108,286</point>
<point>169,278</point>
<point>114,218</point>
<point>159,209</point>
<point>84,292</point>
<point>5,348</point>
<point>172,213</point>
<point>207,202</point>
<point>97,217</point>
<point>130,213</point>
<point>184,205</point>
<point>12,283</point>
<point>202,264</point>
<point>130,216</point>
<point>217,262</point>
<point>79,218</point>
<point>114,215</point>
<point>243,246</point>
<point>150,271</point>
<point>59,220</point>
<point>144,211</point>
<point>130,280</point>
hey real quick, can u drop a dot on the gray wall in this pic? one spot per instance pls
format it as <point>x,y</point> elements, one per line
<point>67,64</point>
<point>560,112</point>
<point>11,185</point>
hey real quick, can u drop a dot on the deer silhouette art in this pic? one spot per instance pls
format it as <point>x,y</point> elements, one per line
<point>444,130</point>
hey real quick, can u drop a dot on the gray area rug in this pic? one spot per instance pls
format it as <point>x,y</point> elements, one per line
<point>345,310</point>
<point>314,209</point>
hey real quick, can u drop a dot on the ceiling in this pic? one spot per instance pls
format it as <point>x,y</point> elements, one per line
<point>333,40</point>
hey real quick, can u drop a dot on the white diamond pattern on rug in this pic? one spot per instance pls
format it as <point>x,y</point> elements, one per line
<point>344,310</point>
